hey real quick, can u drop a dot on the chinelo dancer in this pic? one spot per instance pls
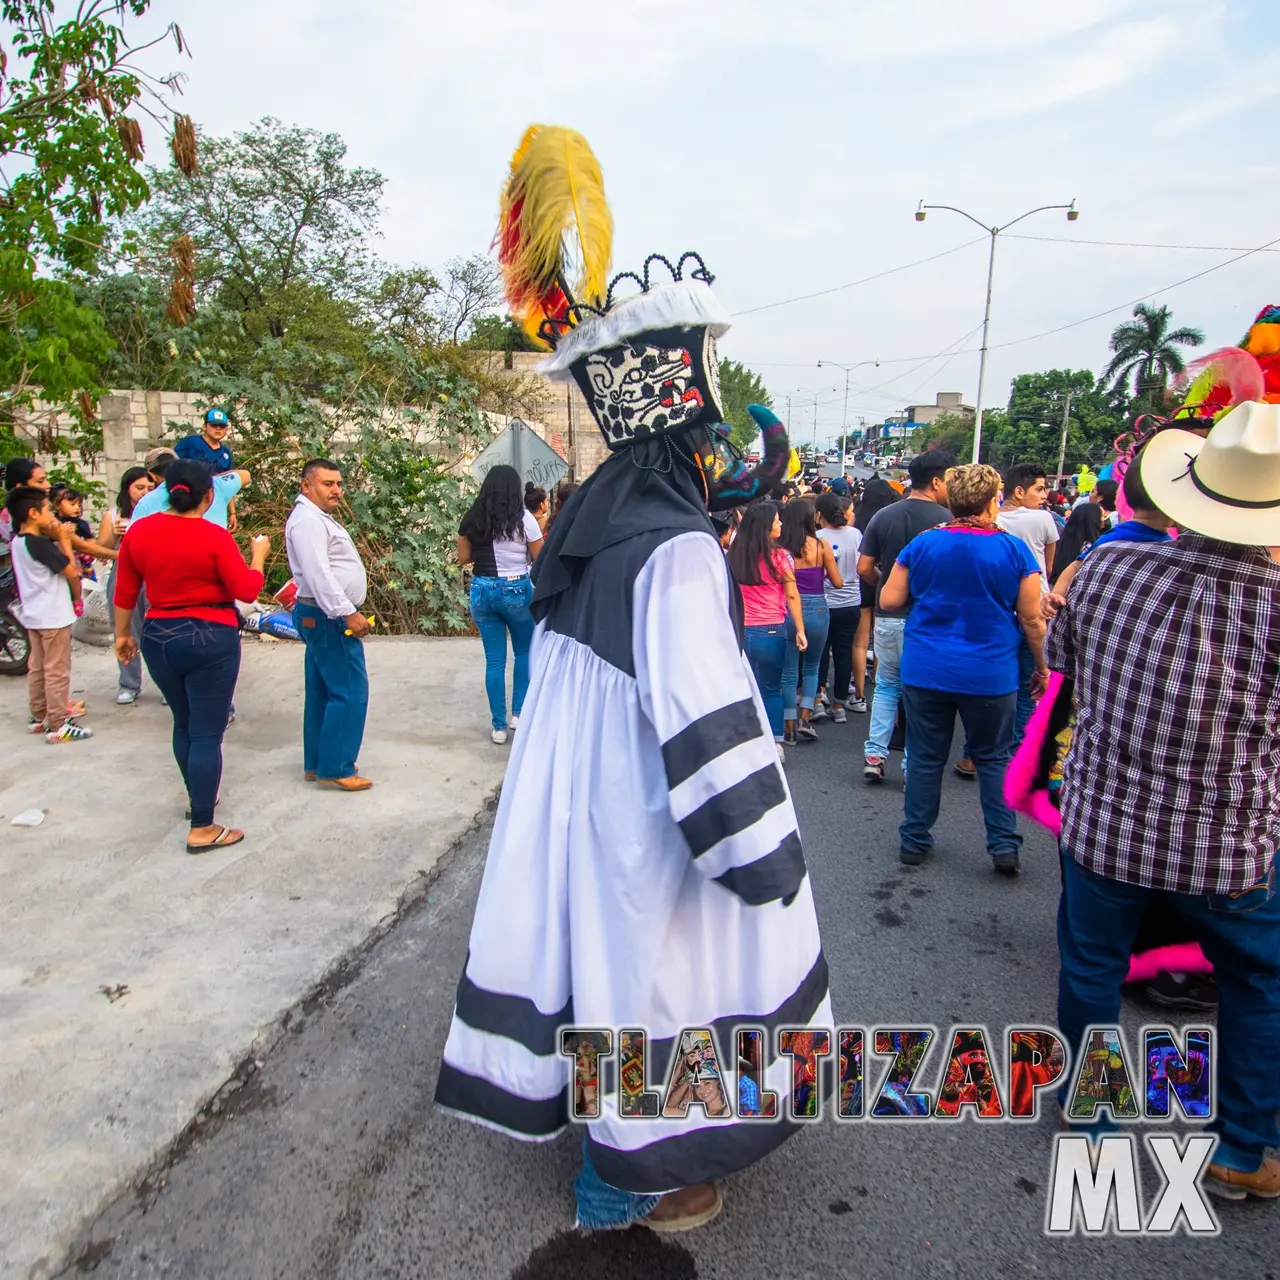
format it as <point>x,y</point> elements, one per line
<point>645,868</point>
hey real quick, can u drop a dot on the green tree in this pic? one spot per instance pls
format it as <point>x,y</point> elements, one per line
<point>1033,423</point>
<point>739,387</point>
<point>500,333</point>
<point>70,152</point>
<point>278,219</point>
<point>1145,350</point>
<point>950,431</point>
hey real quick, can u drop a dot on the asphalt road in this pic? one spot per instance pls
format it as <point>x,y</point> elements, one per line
<point>331,1162</point>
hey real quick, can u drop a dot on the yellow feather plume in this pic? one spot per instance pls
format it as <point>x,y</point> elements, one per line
<point>555,232</point>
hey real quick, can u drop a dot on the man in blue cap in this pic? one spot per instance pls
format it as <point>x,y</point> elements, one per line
<point>210,447</point>
<point>211,450</point>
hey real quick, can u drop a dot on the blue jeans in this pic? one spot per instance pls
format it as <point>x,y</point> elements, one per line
<point>195,664</point>
<point>766,650</point>
<point>337,694</point>
<point>884,706</point>
<point>931,722</point>
<point>601,1206</point>
<point>1097,922</point>
<point>817,619</point>
<point>1026,704</point>
<point>499,605</point>
<point>131,671</point>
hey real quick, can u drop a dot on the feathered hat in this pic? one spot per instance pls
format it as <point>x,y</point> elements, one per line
<point>645,361</point>
<point>641,345</point>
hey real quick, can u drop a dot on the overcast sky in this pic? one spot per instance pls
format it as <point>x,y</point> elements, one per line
<point>790,143</point>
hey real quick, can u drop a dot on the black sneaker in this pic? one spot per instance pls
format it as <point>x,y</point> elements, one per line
<point>1007,863</point>
<point>873,770</point>
<point>806,731</point>
<point>1193,991</point>
<point>912,857</point>
<point>789,734</point>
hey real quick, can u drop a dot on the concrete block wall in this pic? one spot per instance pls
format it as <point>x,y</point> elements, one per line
<point>135,421</point>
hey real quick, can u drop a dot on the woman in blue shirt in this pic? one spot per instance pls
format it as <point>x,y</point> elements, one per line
<point>974,592</point>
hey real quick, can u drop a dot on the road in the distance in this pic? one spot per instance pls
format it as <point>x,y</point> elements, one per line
<point>338,1166</point>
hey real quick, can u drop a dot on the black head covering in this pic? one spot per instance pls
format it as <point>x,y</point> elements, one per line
<point>644,488</point>
<point>877,495</point>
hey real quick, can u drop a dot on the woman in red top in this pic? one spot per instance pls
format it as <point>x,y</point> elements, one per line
<point>194,574</point>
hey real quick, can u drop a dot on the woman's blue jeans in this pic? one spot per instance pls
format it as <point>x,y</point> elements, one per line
<point>499,605</point>
<point>817,619</point>
<point>766,649</point>
<point>195,664</point>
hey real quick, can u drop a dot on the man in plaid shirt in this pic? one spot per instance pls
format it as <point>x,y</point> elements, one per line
<point>1171,789</point>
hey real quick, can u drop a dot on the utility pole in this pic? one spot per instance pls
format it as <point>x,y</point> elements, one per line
<point>815,426</point>
<point>994,232</point>
<point>1062,451</point>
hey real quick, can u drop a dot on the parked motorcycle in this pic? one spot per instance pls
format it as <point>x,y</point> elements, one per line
<point>15,648</point>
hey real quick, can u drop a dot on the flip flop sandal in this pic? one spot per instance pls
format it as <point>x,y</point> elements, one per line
<point>224,838</point>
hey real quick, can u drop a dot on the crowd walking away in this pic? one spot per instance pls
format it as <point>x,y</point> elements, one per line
<point>668,647</point>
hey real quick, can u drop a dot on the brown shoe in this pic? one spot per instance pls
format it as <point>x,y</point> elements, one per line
<point>1231,1184</point>
<point>308,775</point>
<point>685,1209</point>
<point>353,783</point>
<point>965,769</point>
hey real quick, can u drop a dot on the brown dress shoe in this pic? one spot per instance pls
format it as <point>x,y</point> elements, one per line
<point>965,768</point>
<point>1231,1184</point>
<point>308,775</point>
<point>353,783</point>
<point>685,1209</point>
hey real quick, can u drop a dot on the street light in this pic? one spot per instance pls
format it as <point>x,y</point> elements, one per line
<point>844,421</point>
<point>816,396</point>
<point>1072,214</point>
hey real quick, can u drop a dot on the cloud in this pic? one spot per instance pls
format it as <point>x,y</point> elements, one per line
<point>1252,86</point>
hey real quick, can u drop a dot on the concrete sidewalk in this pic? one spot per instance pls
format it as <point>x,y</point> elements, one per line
<point>212,948</point>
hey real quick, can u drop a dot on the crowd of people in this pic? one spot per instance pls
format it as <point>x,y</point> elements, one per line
<point>175,577</point>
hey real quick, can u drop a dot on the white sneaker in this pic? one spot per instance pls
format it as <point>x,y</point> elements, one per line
<point>782,753</point>
<point>514,723</point>
<point>70,732</point>
<point>125,697</point>
<point>856,705</point>
<point>499,736</point>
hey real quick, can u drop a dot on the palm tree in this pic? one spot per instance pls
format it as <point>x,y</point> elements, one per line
<point>1147,351</point>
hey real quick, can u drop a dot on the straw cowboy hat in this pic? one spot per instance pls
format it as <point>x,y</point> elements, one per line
<point>1225,485</point>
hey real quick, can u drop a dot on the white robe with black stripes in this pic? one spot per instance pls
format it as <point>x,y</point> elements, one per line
<point>645,870</point>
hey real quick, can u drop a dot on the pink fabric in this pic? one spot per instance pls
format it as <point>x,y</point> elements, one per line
<point>1180,957</point>
<point>1020,791</point>
<point>1023,795</point>
<point>766,605</point>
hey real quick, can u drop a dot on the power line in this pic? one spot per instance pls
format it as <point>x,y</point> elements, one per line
<point>1139,244</point>
<point>1097,315</point>
<point>906,266</point>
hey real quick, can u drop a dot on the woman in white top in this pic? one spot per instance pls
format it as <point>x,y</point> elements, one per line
<point>135,484</point>
<point>843,603</point>
<point>500,539</point>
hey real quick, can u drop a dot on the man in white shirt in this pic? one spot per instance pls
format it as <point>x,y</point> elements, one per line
<point>1024,516</point>
<point>332,586</point>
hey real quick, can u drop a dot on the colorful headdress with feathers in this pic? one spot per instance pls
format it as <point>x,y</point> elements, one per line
<point>645,360</point>
<point>640,345</point>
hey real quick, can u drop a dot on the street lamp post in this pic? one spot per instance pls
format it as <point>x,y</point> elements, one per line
<point>1072,214</point>
<point>844,421</point>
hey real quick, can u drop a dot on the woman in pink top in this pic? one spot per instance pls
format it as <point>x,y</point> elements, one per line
<point>765,575</point>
